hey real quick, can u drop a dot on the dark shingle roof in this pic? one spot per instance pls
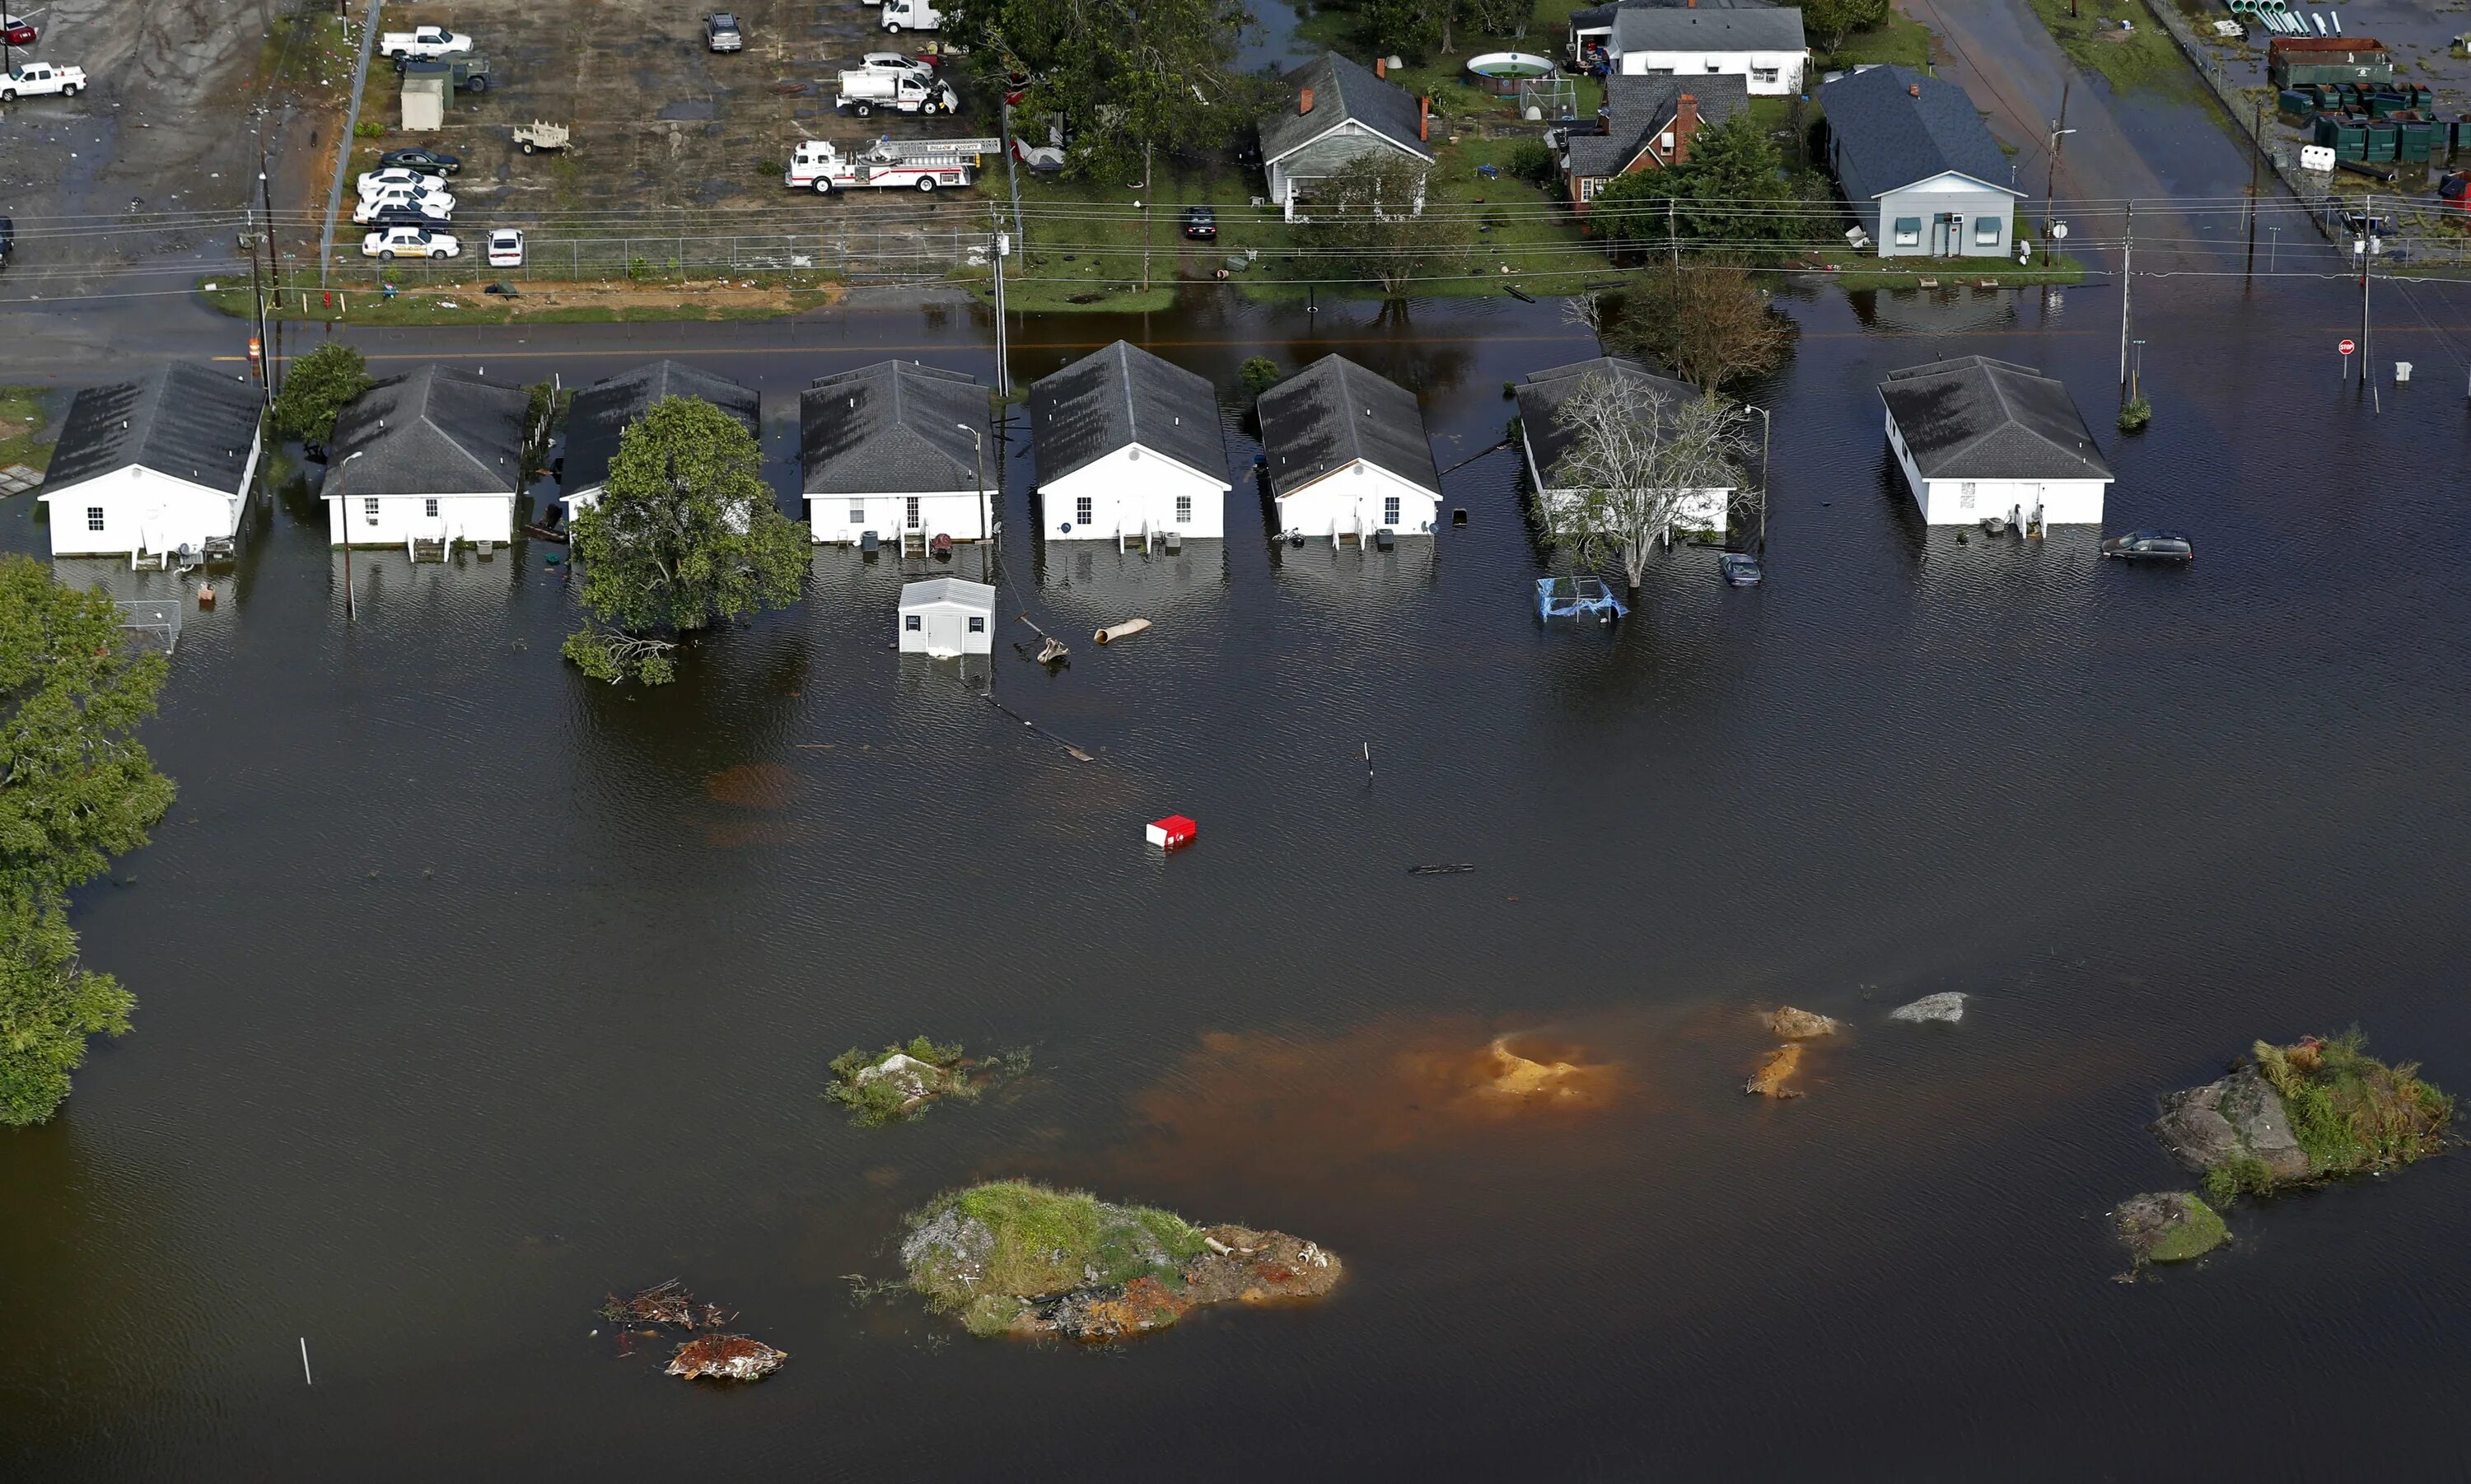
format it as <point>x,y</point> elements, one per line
<point>1636,107</point>
<point>1650,28</point>
<point>1897,138</point>
<point>1334,413</point>
<point>183,421</point>
<point>1542,396</point>
<point>1980,418</point>
<point>434,432</point>
<point>1124,394</point>
<point>604,410</point>
<point>1342,91</point>
<point>893,428</point>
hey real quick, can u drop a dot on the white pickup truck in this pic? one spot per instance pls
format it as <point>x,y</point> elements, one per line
<point>922,165</point>
<point>37,78</point>
<point>865,89</point>
<point>423,41</point>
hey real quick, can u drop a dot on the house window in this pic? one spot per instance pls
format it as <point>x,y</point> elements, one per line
<point>1588,185</point>
<point>978,624</point>
<point>1985,231</point>
<point>857,513</point>
<point>1183,509</point>
<point>1390,510</point>
<point>369,509</point>
<point>1909,232</point>
<point>1964,496</point>
<point>1715,68</point>
<point>911,514</point>
<point>1659,72</point>
<point>428,507</point>
<point>911,623</point>
<point>1081,510</point>
<point>94,517</point>
<point>1761,74</point>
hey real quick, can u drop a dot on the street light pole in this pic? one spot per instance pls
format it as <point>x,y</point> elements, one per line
<point>1767,432</point>
<point>2051,187</point>
<point>343,518</point>
<point>986,515</point>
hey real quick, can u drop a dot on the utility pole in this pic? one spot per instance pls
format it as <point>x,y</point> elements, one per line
<point>1004,355</point>
<point>257,292</point>
<point>2254,155</point>
<point>1145,216</point>
<point>987,516</point>
<point>2059,132</point>
<point>343,517</point>
<point>1672,239</point>
<point>273,353</point>
<point>2126,285</point>
<point>2366,246</point>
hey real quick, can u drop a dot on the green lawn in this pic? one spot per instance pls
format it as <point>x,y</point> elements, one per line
<point>467,304</point>
<point>1953,273</point>
<point>1902,39</point>
<point>2144,57</point>
<point>23,426</point>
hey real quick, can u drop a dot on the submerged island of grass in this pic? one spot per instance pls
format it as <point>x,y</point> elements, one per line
<point>1015,1257</point>
<point>899,1082</point>
<point>2312,1111</point>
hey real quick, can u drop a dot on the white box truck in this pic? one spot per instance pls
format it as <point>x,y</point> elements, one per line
<point>864,90</point>
<point>912,16</point>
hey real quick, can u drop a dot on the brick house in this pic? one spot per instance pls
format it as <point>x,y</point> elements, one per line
<point>1646,124</point>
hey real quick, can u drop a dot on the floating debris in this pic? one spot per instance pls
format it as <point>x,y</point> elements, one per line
<point>2168,1225</point>
<point>727,1358</point>
<point>899,1082</point>
<point>1451,869</point>
<point>1124,630</point>
<point>665,1303</point>
<point>1946,1008</point>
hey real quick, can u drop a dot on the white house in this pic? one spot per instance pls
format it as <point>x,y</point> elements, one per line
<point>1979,438</point>
<point>1545,439</point>
<point>1341,114</point>
<point>1763,47</point>
<point>1129,446</point>
<point>1346,454</point>
<point>1923,174</point>
<point>435,456</point>
<point>153,466</point>
<point>898,449</point>
<point>606,409</point>
<point>944,617</point>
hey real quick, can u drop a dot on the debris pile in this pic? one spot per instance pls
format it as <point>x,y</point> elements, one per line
<point>1776,1073</point>
<point>2312,1111</point>
<point>665,1303</point>
<point>727,1358</point>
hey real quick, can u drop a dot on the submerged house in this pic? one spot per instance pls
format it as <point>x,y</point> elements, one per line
<point>606,409</point>
<point>1762,46</point>
<point>1920,171</point>
<point>150,466</point>
<point>1646,123</point>
<point>435,456</point>
<point>1346,455</point>
<point>896,449</point>
<point>1979,438</point>
<point>1544,439</point>
<point>1129,445</point>
<point>1341,113</point>
<point>944,617</point>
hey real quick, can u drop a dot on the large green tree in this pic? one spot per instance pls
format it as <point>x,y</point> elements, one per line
<point>1833,20</point>
<point>76,789</point>
<point>1368,222</point>
<point>685,534</point>
<point>1126,79</point>
<point>1733,193</point>
<point>315,388</point>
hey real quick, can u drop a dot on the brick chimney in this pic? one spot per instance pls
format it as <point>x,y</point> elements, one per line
<point>1686,123</point>
<point>1914,90</point>
<point>1424,117</point>
<point>1380,66</point>
<point>1303,101</point>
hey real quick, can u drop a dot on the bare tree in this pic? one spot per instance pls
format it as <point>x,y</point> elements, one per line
<point>1371,218</point>
<point>1588,309</point>
<point>1637,466</point>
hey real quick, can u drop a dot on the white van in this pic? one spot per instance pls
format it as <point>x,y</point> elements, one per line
<point>912,16</point>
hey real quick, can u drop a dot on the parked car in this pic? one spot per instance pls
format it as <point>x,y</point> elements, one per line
<point>385,216</point>
<point>7,240</point>
<point>721,32</point>
<point>426,161</point>
<point>506,248</point>
<point>435,205</point>
<point>37,78</point>
<point>896,61</point>
<point>423,41</point>
<point>410,241</point>
<point>2164,546</point>
<point>397,178</point>
<point>1200,223</point>
<point>16,30</point>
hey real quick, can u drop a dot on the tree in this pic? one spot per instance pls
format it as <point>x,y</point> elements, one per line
<point>685,532</point>
<point>1370,221</point>
<point>315,388</point>
<point>1732,191</point>
<point>1708,322</point>
<point>76,789</point>
<point>1836,19</point>
<point>1635,463</point>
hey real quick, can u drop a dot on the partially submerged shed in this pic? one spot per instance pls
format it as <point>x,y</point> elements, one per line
<point>896,448</point>
<point>945,617</point>
<point>1129,445</point>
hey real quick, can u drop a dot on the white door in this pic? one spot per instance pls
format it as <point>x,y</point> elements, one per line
<point>943,633</point>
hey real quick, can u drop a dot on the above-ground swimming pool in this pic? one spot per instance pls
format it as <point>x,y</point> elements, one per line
<point>1500,72</point>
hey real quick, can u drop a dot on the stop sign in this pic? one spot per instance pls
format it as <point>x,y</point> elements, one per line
<point>2347,348</point>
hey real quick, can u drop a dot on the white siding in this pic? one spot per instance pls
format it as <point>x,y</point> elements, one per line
<point>956,514</point>
<point>1354,499</point>
<point>1702,510</point>
<point>944,629</point>
<point>400,518</point>
<point>1787,66</point>
<point>144,512</point>
<point>1930,204</point>
<point>1965,502</point>
<point>1132,491</point>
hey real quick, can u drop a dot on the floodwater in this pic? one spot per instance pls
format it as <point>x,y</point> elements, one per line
<point>471,991</point>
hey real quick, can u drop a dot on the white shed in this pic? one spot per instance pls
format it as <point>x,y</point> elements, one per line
<point>1347,454</point>
<point>432,456</point>
<point>427,86</point>
<point>898,449</point>
<point>1979,438</point>
<point>946,617</point>
<point>149,466</point>
<point>1129,446</point>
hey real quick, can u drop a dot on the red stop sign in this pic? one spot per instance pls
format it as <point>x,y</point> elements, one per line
<point>2347,348</point>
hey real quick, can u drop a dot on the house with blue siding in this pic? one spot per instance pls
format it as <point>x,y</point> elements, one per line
<point>1920,171</point>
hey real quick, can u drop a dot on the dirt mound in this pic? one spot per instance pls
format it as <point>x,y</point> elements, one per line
<point>1800,1024</point>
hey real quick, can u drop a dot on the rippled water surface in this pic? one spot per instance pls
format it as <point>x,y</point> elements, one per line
<point>471,991</point>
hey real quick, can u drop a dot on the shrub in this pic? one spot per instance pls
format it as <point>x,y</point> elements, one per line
<point>2133,417</point>
<point>1259,374</point>
<point>1532,162</point>
<point>368,129</point>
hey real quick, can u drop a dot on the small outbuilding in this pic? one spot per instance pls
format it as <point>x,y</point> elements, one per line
<point>428,86</point>
<point>153,466</point>
<point>1346,454</point>
<point>1979,438</point>
<point>947,617</point>
<point>606,409</point>
<point>1129,446</point>
<point>433,456</point>
<point>1923,174</point>
<point>1545,439</point>
<point>898,449</point>
<point>1340,113</point>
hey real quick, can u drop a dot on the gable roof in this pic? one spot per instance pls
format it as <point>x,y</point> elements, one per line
<point>1124,394</point>
<point>183,421</point>
<point>1978,418</point>
<point>1342,91</point>
<point>953,590</point>
<point>1654,28</point>
<point>1600,18</point>
<point>1542,396</point>
<point>893,428</point>
<point>603,411</point>
<point>1638,108</point>
<point>436,431</point>
<point>1334,413</point>
<point>1898,138</point>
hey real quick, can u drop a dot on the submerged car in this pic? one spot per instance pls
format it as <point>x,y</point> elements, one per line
<point>2162,546</point>
<point>1200,223</point>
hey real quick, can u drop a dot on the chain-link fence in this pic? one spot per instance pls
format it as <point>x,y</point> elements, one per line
<point>845,254</point>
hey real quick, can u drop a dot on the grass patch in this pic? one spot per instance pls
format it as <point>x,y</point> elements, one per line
<point>1960,274</point>
<point>873,1101</point>
<point>983,1250</point>
<point>1901,39</point>
<point>2144,56</point>
<point>2350,1112</point>
<point>467,304</point>
<point>2200,1230</point>
<point>23,424</point>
